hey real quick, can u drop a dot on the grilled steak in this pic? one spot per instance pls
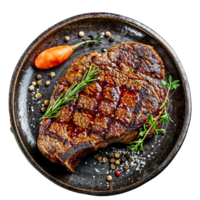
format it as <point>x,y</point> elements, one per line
<point>110,110</point>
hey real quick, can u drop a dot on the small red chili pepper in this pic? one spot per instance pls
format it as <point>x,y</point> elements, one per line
<point>117,173</point>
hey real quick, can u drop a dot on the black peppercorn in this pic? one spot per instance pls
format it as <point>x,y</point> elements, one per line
<point>130,160</point>
<point>127,155</point>
<point>126,167</point>
<point>104,50</point>
<point>112,160</point>
<point>112,38</point>
<point>112,166</point>
<point>111,155</point>
<point>99,158</point>
<point>123,159</point>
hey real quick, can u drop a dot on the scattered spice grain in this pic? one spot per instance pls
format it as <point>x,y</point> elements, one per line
<point>126,167</point>
<point>48,83</point>
<point>117,155</point>
<point>112,160</point>
<point>43,109</point>
<point>38,95</point>
<point>127,155</point>
<point>46,102</point>
<point>112,166</point>
<point>109,178</point>
<point>99,158</point>
<point>123,159</point>
<point>34,83</point>
<point>39,76</point>
<point>130,160</point>
<point>108,34</point>
<point>52,74</point>
<point>117,162</point>
<point>39,82</point>
<point>111,155</point>
<point>31,88</point>
<point>67,38</point>
<point>105,160</point>
<point>112,38</point>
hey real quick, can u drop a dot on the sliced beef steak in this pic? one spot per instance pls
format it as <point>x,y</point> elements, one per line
<point>110,110</point>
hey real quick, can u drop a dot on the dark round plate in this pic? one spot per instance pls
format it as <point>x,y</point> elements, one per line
<point>90,176</point>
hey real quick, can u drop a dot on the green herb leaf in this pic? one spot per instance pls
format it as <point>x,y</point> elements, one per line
<point>165,83</point>
<point>154,125</point>
<point>99,39</point>
<point>164,120</point>
<point>162,106</point>
<point>170,119</point>
<point>141,133</point>
<point>92,38</point>
<point>141,147</point>
<point>175,86</point>
<point>150,120</point>
<point>176,81</point>
<point>161,130</point>
<point>144,127</point>
<point>170,79</point>
<point>134,142</point>
<point>135,148</point>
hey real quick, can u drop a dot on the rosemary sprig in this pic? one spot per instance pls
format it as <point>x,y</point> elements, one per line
<point>88,78</point>
<point>163,116</point>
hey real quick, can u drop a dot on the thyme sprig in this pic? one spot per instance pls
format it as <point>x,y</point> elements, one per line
<point>163,116</point>
<point>171,86</point>
<point>88,78</point>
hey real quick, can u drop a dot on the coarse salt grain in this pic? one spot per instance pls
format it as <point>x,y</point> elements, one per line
<point>96,170</point>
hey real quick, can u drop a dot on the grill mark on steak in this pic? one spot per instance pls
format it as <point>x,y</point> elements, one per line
<point>110,110</point>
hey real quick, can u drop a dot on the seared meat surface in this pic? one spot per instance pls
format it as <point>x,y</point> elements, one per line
<point>110,110</point>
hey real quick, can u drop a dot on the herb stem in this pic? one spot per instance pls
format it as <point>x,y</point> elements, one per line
<point>84,42</point>
<point>171,94</point>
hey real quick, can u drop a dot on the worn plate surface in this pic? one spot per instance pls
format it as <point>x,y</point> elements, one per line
<point>90,176</point>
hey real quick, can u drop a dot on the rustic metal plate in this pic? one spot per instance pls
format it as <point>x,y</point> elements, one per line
<point>90,176</point>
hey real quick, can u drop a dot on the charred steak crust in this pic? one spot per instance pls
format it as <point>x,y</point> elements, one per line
<point>108,111</point>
